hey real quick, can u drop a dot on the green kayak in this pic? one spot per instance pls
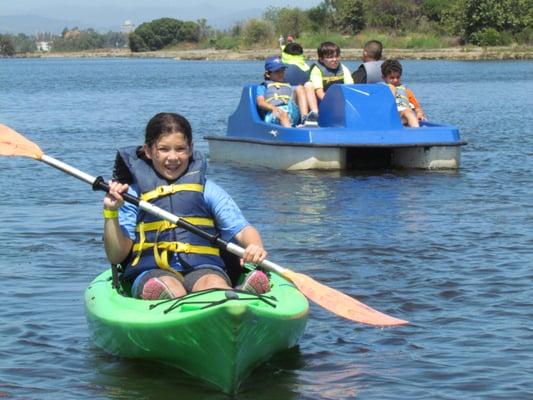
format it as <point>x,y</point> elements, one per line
<point>218,335</point>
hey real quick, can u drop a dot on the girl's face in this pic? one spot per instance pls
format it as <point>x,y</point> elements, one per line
<point>332,62</point>
<point>170,155</point>
<point>277,76</point>
<point>393,78</point>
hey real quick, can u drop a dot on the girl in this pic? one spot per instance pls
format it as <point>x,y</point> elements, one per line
<point>162,260</point>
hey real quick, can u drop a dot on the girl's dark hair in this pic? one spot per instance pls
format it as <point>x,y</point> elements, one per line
<point>328,49</point>
<point>165,123</point>
<point>389,66</point>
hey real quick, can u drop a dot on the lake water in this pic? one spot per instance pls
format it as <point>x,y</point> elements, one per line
<point>449,251</point>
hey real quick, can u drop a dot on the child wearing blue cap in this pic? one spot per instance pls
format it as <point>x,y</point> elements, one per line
<point>282,103</point>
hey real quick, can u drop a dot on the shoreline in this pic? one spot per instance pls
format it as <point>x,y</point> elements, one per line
<point>451,53</point>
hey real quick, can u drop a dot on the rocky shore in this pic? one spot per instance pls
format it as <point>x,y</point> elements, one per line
<point>452,53</point>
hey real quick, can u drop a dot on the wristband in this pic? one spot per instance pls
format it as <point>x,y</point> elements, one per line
<point>110,214</point>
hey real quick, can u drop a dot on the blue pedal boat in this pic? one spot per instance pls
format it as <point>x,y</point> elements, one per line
<point>358,128</point>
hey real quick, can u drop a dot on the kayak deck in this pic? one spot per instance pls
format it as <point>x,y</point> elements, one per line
<point>218,336</point>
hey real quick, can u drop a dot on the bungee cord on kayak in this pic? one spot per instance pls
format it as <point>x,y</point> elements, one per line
<point>185,301</point>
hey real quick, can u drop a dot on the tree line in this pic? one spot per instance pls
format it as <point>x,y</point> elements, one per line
<point>70,40</point>
<point>399,23</point>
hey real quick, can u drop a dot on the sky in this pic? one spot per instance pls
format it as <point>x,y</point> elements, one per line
<point>106,14</point>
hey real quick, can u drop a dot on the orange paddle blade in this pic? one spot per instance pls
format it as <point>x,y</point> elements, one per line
<point>340,303</point>
<point>13,143</point>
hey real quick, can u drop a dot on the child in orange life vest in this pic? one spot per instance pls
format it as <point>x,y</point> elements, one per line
<point>408,106</point>
<point>283,103</point>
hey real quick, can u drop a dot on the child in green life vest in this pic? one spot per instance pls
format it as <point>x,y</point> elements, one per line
<point>282,103</point>
<point>328,70</point>
<point>408,107</point>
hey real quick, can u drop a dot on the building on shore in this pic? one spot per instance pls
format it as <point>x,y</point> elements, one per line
<point>127,27</point>
<point>43,46</point>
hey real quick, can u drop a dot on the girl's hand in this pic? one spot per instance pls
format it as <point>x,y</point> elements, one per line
<point>113,199</point>
<point>253,254</point>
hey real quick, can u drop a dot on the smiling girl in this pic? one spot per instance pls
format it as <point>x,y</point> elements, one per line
<point>162,260</point>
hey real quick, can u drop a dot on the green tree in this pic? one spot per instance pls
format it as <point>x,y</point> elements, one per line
<point>76,40</point>
<point>188,32</point>
<point>288,21</point>
<point>115,39</point>
<point>204,31</point>
<point>393,14</point>
<point>23,43</point>
<point>137,43</point>
<point>162,32</point>
<point>320,17</point>
<point>6,46</point>
<point>143,38</point>
<point>349,16</point>
<point>257,31</point>
<point>434,9</point>
<point>166,32</point>
<point>453,17</point>
<point>498,15</point>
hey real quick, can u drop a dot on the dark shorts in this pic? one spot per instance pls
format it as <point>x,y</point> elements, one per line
<point>192,277</point>
<point>188,281</point>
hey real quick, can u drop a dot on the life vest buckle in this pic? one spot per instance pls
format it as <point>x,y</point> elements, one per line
<point>164,190</point>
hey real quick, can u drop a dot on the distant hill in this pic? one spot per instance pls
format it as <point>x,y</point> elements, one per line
<point>104,21</point>
<point>32,24</point>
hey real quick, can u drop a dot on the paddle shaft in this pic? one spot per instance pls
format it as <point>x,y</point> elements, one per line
<point>98,183</point>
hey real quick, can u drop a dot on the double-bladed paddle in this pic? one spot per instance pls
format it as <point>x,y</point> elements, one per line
<point>13,143</point>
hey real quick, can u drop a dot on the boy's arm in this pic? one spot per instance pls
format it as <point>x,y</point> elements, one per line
<point>263,105</point>
<point>359,76</point>
<point>316,79</point>
<point>416,105</point>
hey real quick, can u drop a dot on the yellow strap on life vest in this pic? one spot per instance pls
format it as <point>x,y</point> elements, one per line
<point>329,79</point>
<point>277,96</point>
<point>166,190</point>
<point>278,84</point>
<point>142,239</point>
<point>161,260</point>
<point>177,247</point>
<point>164,225</point>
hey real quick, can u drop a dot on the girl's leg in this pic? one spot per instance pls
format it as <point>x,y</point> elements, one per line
<point>158,284</point>
<point>210,281</point>
<point>206,278</point>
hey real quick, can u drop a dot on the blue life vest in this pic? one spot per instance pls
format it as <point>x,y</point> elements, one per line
<point>156,241</point>
<point>277,93</point>
<point>329,76</point>
<point>295,76</point>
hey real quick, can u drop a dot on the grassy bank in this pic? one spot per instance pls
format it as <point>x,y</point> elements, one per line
<point>450,53</point>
